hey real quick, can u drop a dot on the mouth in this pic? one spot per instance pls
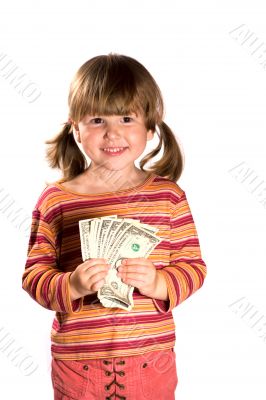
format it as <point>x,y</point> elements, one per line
<point>114,151</point>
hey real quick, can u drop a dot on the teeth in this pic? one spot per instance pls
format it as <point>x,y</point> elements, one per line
<point>114,149</point>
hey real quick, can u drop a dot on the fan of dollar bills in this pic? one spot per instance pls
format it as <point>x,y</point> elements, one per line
<point>114,239</point>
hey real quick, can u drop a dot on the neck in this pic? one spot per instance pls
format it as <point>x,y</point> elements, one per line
<point>116,180</point>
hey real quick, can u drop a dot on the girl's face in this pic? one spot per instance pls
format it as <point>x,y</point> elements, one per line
<point>113,141</point>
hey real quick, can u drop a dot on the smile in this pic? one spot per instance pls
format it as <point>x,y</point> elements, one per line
<point>114,150</point>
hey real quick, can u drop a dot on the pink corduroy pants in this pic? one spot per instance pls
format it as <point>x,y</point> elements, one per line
<point>149,376</point>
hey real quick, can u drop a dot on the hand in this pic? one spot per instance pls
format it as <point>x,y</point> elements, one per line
<point>88,277</point>
<point>140,273</point>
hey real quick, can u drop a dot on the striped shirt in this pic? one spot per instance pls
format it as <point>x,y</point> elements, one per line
<point>84,328</point>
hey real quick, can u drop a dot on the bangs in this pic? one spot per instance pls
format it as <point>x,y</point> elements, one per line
<point>114,85</point>
<point>119,99</point>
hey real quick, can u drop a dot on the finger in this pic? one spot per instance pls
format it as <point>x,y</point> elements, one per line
<point>134,282</point>
<point>95,261</point>
<point>135,260</point>
<point>97,277</point>
<point>96,286</point>
<point>95,269</point>
<point>133,276</point>
<point>133,268</point>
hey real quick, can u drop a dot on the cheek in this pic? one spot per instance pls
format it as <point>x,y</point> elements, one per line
<point>138,140</point>
<point>90,141</point>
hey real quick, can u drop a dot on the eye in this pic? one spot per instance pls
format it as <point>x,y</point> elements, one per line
<point>127,119</point>
<point>96,120</point>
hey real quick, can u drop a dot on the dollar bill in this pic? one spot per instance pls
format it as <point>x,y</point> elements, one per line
<point>115,239</point>
<point>87,239</point>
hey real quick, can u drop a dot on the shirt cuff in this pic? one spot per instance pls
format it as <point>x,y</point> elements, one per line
<point>165,306</point>
<point>72,306</point>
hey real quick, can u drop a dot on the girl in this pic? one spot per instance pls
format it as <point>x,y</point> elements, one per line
<point>115,107</point>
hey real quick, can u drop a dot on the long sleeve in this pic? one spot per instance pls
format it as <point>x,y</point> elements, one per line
<point>42,279</point>
<point>186,271</point>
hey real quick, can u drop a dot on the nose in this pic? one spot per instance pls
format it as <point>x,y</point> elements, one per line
<point>112,130</point>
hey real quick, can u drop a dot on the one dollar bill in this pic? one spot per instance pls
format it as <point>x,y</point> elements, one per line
<point>114,239</point>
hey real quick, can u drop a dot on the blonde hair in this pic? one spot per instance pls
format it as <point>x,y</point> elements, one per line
<point>108,85</point>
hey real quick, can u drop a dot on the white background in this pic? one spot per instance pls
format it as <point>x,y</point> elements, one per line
<point>214,92</point>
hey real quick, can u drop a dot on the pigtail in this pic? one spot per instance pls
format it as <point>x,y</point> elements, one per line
<point>171,163</point>
<point>64,153</point>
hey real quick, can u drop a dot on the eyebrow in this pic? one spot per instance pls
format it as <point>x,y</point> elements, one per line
<point>115,115</point>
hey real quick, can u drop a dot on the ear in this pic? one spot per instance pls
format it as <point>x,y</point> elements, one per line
<point>76,132</point>
<point>78,137</point>
<point>150,134</point>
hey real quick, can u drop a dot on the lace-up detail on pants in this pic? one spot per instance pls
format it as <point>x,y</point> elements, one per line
<point>149,376</point>
<point>114,383</point>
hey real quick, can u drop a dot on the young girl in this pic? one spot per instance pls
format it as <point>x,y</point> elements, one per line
<point>115,107</point>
